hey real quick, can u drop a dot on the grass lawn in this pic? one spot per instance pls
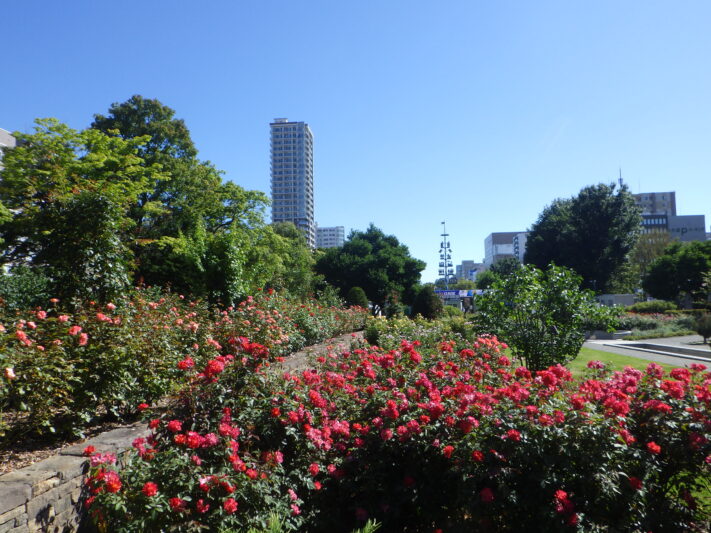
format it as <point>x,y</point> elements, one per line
<point>612,360</point>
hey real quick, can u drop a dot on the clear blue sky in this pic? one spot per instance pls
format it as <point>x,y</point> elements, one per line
<point>477,113</point>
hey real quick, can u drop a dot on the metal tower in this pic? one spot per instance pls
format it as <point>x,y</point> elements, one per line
<point>445,257</point>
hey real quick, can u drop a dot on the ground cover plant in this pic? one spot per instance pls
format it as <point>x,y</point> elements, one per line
<point>656,325</point>
<point>63,371</point>
<point>449,437</point>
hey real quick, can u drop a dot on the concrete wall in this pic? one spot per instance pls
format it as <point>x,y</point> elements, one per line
<point>48,495</point>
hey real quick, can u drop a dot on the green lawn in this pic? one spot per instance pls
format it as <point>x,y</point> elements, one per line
<point>612,360</point>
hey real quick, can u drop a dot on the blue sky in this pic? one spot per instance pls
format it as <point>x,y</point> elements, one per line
<point>477,113</point>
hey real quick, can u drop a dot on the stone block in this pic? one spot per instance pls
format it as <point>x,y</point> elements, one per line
<point>118,439</point>
<point>65,466</point>
<point>40,480</point>
<point>14,494</point>
<point>9,519</point>
<point>24,528</point>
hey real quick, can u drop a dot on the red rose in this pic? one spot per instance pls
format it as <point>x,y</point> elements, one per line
<point>230,505</point>
<point>150,489</point>
<point>654,448</point>
<point>89,450</point>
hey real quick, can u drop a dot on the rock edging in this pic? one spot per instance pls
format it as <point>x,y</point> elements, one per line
<point>48,495</point>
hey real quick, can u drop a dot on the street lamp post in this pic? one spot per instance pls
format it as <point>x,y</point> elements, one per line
<point>445,257</point>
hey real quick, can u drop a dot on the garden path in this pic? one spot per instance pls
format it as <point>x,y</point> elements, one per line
<point>303,359</point>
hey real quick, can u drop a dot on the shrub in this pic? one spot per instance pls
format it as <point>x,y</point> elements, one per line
<point>653,306</point>
<point>427,303</point>
<point>66,370</point>
<point>356,296</point>
<point>24,288</point>
<point>451,311</point>
<point>540,314</point>
<point>703,326</point>
<point>418,438</point>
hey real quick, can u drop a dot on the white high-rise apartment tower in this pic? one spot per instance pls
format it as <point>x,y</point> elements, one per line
<point>292,176</point>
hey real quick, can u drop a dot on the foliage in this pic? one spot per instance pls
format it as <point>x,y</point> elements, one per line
<point>418,438</point>
<point>70,193</point>
<point>703,326</point>
<point>680,271</point>
<point>485,279</point>
<point>505,267</point>
<point>427,303</point>
<point>194,232</point>
<point>297,275</point>
<point>24,288</point>
<point>356,296</point>
<point>656,325</point>
<point>652,306</point>
<point>376,262</point>
<point>539,314</point>
<point>591,233</point>
<point>451,311</point>
<point>68,369</point>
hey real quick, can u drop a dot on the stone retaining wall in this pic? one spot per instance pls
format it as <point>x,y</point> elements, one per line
<point>48,495</point>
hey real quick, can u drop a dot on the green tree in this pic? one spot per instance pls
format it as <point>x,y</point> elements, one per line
<point>539,314</point>
<point>427,303</point>
<point>485,279</point>
<point>680,272</point>
<point>69,194</point>
<point>193,230</point>
<point>592,233</point>
<point>376,262</point>
<point>505,267</point>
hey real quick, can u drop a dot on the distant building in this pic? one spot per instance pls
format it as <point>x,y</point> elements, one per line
<point>519,245</point>
<point>659,215</point>
<point>468,270</point>
<point>7,140</point>
<point>330,237</point>
<point>656,203</point>
<point>688,227</point>
<point>498,246</point>
<point>292,176</point>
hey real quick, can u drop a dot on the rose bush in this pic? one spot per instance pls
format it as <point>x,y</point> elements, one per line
<point>447,437</point>
<point>63,371</point>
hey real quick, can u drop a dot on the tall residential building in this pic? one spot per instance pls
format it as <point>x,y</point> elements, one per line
<point>6,141</point>
<point>330,237</point>
<point>292,176</point>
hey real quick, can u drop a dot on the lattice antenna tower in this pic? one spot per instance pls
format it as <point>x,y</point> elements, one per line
<point>445,257</point>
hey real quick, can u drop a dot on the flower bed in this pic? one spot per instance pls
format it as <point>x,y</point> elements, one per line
<point>449,438</point>
<point>64,371</point>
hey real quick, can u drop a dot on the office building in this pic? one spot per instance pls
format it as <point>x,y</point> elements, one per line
<point>498,246</point>
<point>292,176</point>
<point>330,237</point>
<point>659,214</point>
<point>469,270</point>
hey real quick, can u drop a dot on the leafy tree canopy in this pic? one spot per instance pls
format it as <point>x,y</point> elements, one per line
<point>680,271</point>
<point>376,262</point>
<point>592,233</point>
<point>505,267</point>
<point>69,193</point>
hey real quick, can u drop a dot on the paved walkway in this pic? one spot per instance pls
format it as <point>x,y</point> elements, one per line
<point>659,355</point>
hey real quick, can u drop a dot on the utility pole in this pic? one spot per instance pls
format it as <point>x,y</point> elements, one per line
<point>445,257</point>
